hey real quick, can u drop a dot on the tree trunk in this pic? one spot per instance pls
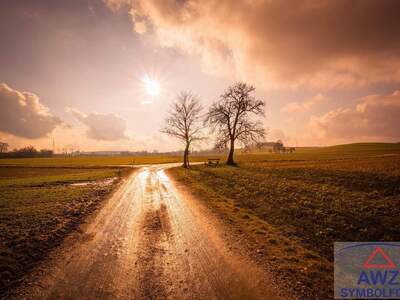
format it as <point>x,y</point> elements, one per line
<point>186,157</point>
<point>230,160</point>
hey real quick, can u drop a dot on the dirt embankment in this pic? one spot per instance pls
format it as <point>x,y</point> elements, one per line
<point>37,218</point>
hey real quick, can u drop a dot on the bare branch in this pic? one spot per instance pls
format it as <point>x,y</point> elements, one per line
<point>230,117</point>
<point>184,121</point>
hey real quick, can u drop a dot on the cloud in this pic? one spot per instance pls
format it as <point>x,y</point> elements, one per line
<point>140,27</point>
<point>309,43</point>
<point>305,105</point>
<point>107,127</point>
<point>276,134</point>
<point>115,5</point>
<point>23,115</point>
<point>375,116</point>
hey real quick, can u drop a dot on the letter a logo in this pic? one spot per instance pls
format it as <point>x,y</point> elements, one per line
<point>378,250</point>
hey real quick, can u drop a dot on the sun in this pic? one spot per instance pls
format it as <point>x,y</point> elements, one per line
<point>151,86</point>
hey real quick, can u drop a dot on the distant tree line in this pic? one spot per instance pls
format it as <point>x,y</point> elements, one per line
<point>28,151</point>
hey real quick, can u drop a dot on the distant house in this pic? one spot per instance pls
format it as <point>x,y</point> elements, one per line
<point>266,145</point>
<point>270,146</point>
<point>273,147</point>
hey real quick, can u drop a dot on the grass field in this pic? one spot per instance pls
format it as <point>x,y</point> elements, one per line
<point>39,206</point>
<point>334,152</point>
<point>91,161</point>
<point>290,211</point>
<point>289,208</point>
<point>324,153</point>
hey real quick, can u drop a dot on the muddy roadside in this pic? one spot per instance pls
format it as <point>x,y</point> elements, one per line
<point>246,250</point>
<point>38,218</point>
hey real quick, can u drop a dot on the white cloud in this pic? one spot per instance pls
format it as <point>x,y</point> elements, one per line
<point>23,115</point>
<point>276,134</point>
<point>107,127</point>
<point>375,116</point>
<point>305,105</point>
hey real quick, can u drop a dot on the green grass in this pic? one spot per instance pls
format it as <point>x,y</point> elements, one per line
<point>333,152</point>
<point>294,209</point>
<point>291,206</point>
<point>25,177</point>
<point>38,207</point>
<point>92,161</point>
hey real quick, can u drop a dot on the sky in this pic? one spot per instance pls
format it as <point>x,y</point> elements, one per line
<point>83,72</point>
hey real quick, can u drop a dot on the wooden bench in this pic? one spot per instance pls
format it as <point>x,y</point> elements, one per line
<point>212,162</point>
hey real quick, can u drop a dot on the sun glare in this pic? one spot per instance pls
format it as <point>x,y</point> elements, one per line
<point>151,86</point>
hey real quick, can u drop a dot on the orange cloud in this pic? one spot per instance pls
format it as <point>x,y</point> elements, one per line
<point>279,43</point>
<point>23,115</point>
<point>115,5</point>
<point>375,116</point>
<point>107,127</point>
<point>305,105</point>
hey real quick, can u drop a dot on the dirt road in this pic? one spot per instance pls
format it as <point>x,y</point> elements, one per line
<point>149,241</point>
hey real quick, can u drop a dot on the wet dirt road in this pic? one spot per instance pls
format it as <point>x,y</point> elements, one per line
<point>149,241</point>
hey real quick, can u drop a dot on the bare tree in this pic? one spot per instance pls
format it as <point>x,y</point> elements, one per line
<point>183,122</point>
<point>3,147</point>
<point>231,118</point>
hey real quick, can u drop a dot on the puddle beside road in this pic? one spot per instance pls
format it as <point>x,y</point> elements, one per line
<point>97,182</point>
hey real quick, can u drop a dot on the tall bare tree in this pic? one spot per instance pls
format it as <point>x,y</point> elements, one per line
<point>184,121</point>
<point>3,147</point>
<point>232,118</point>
